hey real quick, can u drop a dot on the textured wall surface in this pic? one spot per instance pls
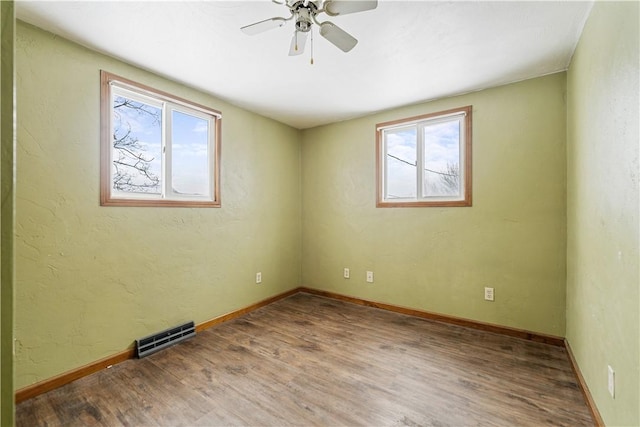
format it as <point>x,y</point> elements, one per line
<point>440,259</point>
<point>91,279</point>
<point>603,269</point>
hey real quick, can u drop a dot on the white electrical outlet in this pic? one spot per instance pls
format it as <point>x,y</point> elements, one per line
<point>370,276</point>
<point>611,382</point>
<point>258,277</point>
<point>346,273</point>
<point>488,294</point>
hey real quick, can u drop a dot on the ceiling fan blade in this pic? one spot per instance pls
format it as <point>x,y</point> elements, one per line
<point>344,7</point>
<point>262,26</point>
<point>298,42</point>
<point>336,35</point>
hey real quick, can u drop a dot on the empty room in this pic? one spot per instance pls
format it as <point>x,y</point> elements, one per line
<point>331,213</point>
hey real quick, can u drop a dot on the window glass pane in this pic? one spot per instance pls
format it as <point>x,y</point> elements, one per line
<point>137,145</point>
<point>190,157</point>
<point>401,163</point>
<point>441,176</point>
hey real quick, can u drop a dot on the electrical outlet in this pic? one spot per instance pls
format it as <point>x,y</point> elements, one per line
<point>258,277</point>
<point>346,273</point>
<point>370,276</point>
<point>611,382</point>
<point>488,294</point>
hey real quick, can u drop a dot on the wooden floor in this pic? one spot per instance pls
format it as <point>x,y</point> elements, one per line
<point>308,360</point>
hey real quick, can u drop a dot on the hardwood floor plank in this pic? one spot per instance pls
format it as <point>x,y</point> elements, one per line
<point>309,360</point>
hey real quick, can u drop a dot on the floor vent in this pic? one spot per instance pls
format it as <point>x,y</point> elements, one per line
<point>156,342</point>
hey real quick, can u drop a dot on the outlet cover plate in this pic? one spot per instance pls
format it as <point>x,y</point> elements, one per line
<point>488,294</point>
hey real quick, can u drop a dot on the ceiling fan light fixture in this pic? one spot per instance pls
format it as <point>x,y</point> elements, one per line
<point>303,20</point>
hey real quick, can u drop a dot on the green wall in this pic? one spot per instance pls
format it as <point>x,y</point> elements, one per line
<point>440,259</point>
<point>7,211</point>
<point>91,279</point>
<point>603,276</point>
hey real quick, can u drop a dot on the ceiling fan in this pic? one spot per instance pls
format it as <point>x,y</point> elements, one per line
<point>304,13</point>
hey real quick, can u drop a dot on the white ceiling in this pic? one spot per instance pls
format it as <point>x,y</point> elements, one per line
<point>408,51</point>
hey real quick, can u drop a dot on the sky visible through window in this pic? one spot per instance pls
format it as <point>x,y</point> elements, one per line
<point>441,160</point>
<point>401,163</point>
<point>137,149</point>
<point>190,154</point>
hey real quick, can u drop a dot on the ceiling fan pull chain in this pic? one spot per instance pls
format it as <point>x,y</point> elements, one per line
<point>311,46</point>
<point>296,41</point>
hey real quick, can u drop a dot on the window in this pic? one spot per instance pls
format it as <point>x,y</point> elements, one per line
<point>157,149</point>
<point>425,160</point>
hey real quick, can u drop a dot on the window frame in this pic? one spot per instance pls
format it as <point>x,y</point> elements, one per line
<point>170,103</point>
<point>465,145</point>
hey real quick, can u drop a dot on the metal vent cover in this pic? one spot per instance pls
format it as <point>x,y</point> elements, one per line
<point>156,342</point>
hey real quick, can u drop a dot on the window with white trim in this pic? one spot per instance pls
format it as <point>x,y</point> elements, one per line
<point>157,149</point>
<point>425,160</point>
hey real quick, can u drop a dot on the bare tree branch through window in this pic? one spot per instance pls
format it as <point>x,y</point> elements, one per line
<point>131,161</point>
